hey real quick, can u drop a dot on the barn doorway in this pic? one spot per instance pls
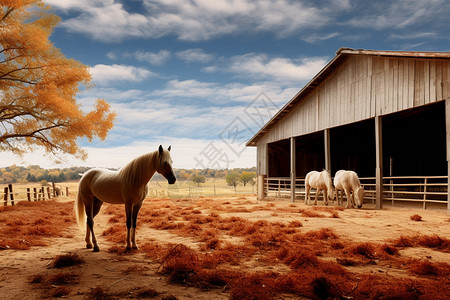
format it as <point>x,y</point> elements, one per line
<point>309,153</point>
<point>279,158</point>
<point>414,142</point>
<point>352,147</point>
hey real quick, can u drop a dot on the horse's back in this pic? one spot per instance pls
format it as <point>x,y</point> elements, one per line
<point>101,183</point>
<point>346,179</point>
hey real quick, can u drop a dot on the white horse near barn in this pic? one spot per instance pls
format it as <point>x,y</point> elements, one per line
<point>319,181</point>
<point>348,182</point>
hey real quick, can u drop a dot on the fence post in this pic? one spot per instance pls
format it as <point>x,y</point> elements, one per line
<point>425,194</point>
<point>28,195</point>
<point>11,194</point>
<point>35,194</point>
<point>6,196</point>
<point>48,193</point>
<point>54,190</point>
<point>67,191</point>
<point>279,187</point>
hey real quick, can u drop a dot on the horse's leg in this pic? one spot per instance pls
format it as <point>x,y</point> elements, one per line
<point>129,215</point>
<point>317,195</point>
<point>90,227</point>
<point>325,196</point>
<point>349,200</point>
<point>136,209</point>
<point>96,209</point>
<point>308,189</point>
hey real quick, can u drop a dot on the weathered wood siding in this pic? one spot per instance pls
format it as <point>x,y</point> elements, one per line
<point>361,88</point>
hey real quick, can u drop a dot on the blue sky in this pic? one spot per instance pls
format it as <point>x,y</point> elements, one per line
<point>203,75</point>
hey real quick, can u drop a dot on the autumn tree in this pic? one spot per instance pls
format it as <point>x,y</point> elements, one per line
<point>247,177</point>
<point>38,86</point>
<point>233,179</point>
<point>198,179</point>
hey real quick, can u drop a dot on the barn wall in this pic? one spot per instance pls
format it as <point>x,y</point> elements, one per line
<point>362,88</point>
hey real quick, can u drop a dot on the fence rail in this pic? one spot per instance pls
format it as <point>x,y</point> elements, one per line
<point>425,189</point>
<point>11,195</point>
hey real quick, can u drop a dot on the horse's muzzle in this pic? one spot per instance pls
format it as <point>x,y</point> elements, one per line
<point>172,179</point>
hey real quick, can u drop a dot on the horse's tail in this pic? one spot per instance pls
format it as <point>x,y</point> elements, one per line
<point>79,212</point>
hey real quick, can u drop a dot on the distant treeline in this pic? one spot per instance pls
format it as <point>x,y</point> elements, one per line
<point>17,174</point>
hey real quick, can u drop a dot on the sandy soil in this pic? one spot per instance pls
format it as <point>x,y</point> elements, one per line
<point>123,276</point>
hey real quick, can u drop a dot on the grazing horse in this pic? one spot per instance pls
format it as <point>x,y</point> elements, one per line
<point>127,186</point>
<point>319,181</point>
<point>348,182</point>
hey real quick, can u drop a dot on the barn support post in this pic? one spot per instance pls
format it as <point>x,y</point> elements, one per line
<point>447,130</point>
<point>293,171</point>
<point>379,162</point>
<point>326,134</point>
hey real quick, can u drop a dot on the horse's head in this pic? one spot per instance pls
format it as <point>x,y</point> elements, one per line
<point>359,196</point>
<point>164,166</point>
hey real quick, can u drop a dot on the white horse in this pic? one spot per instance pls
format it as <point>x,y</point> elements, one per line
<point>348,182</point>
<point>127,186</point>
<point>319,181</point>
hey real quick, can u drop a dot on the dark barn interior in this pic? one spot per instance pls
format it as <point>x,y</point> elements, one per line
<point>414,144</point>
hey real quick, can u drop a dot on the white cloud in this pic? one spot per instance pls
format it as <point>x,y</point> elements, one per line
<point>194,20</point>
<point>104,74</point>
<point>315,38</point>
<point>277,69</point>
<point>195,55</point>
<point>401,14</point>
<point>158,58</point>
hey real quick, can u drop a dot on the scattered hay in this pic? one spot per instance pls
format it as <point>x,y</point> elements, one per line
<point>59,292</point>
<point>147,293</point>
<point>63,279</point>
<point>416,218</point>
<point>67,260</point>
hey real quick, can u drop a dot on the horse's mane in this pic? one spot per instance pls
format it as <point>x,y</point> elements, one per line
<point>138,169</point>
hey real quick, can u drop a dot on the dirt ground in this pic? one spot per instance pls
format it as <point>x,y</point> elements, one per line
<point>113,275</point>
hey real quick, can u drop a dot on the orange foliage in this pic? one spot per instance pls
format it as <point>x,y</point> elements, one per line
<point>317,264</point>
<point>28,224</point>
<point>39,86</point>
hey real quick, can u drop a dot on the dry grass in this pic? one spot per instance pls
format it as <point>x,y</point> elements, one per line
<point>29,224</point>
<point>416,218</point>
<point>67,260</point>
<point>318,262</point>
<point>283,256</point>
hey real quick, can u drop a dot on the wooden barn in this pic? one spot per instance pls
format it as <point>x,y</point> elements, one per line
<point>383,114</point>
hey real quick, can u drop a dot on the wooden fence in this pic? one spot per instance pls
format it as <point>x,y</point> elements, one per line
<point>425,189</point>
<point>12,195</point>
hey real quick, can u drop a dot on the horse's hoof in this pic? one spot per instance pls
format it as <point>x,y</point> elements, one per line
<point>88,246</point>
<point>96,249</point>
<point>135,248</point>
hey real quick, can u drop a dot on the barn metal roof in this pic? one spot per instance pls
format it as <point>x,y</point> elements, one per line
<point>341,55</point>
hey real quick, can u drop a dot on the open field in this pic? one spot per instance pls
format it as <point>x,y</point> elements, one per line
<point>226,247</point>
<point>157,189</point>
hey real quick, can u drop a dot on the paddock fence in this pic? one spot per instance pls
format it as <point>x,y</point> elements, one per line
<point>12,194</point>
<point>425,189</point>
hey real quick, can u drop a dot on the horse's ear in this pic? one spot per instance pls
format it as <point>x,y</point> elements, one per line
<point>160,149</point>
<point>170,147</point>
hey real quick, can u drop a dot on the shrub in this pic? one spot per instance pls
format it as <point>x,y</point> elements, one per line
<point>67,260</point>
<point>364,249</point>
<point>416,218</point>
<point>423,267</point>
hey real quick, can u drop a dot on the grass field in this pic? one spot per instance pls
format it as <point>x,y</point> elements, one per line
<point>157,189</point>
